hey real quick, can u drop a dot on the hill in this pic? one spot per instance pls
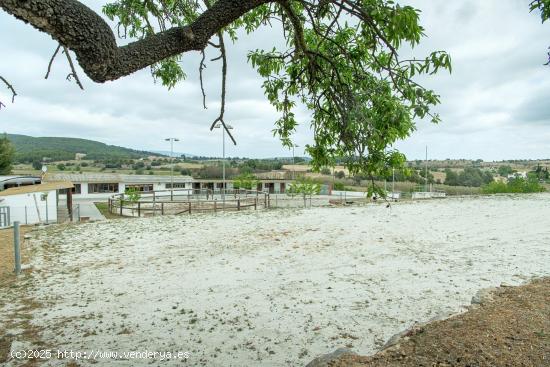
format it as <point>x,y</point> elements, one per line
<point>30,149</point>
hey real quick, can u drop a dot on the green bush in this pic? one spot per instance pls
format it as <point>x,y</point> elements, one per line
<point>516,185</point>
<point>338,186</point>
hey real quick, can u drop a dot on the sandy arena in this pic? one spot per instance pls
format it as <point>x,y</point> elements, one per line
<point>271,288</point>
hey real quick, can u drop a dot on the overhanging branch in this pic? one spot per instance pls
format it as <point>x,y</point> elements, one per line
<point>83,31</point>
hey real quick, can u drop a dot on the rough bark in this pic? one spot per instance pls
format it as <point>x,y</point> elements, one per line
<point>82,30</point>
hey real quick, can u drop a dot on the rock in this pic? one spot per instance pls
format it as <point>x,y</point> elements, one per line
<point>326,359</point>
<point>483,296</point>
<point>27,236</point>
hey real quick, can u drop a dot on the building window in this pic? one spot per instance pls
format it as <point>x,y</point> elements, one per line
<point>177,185</point>
<point>77,189</point>
<point>99,188</point>
<point>219,185</point>
<point>141,188</point>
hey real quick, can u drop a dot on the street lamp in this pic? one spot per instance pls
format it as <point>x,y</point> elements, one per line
<point>171,140</point>
<point>294,161</point>
<point>229,127</point>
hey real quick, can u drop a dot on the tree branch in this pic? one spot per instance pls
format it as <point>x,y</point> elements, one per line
<point>83,31</point>
<point>73,71</point>
<point>10,87</point>
<point>223,57</point>
<point>51,61</point>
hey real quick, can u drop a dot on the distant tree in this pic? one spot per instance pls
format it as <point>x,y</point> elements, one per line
<point>36,165</point>
<point>7,153</point>
<point>340,174</point>
<point>61,167</point>
<point>325,171</point>
<point>245,181</point>
<point>305,187</point>
<point>504,171</point>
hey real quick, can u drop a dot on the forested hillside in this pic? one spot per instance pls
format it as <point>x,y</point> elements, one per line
<point>29,149</point>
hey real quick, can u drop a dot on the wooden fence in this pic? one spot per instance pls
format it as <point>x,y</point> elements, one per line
<point>177,202</point>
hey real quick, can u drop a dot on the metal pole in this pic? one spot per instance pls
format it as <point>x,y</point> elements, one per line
<point>223,166</point>
<point>426,164</point>
<point>293,164</point>
<point>393,184</point>
<point>17,247</point>
<point>171,169</point>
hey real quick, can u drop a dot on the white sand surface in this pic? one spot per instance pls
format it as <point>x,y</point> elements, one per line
<point>277,288</point>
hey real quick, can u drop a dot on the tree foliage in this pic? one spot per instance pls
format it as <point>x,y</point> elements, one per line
<point>245,181</point>
<point>470,176</point>
<point>7,153</point>
<point>341,60</point>
<point>514,185</point>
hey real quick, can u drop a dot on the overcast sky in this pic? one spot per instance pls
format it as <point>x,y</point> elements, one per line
<point>495,104</point>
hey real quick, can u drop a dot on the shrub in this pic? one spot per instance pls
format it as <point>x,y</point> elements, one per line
<point>515,185</point>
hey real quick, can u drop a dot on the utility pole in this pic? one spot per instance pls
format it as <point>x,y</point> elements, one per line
<point>171,140</point>
<point>426,171</point>
<point>294,161</point>
<point>229,127</point>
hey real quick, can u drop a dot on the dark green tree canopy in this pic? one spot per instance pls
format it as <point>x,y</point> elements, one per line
<point>341,60</point>
<point>7,152</point>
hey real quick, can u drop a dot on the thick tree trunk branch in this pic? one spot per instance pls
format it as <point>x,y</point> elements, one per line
<point>80,29</point>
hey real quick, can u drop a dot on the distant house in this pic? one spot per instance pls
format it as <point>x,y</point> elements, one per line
<point>517,175</point>
<point>79,156</point>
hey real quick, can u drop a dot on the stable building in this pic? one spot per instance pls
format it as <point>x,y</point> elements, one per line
<point>32,204</point>
<point>104,185</point>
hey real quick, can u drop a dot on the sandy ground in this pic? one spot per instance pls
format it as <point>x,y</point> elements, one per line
<point>275,288</point>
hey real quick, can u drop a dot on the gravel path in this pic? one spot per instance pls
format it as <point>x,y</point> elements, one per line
<point>278,287</point>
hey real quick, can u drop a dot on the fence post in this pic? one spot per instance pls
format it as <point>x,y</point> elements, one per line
<point>162,208</point>
<point>215,206</point>
<point>17,247</point>
<point>189,207</point>
<point>121,203</point>
<point>238,204</point>
<point>139,209</point>
<point>26,217</point>
<point>255,203</point>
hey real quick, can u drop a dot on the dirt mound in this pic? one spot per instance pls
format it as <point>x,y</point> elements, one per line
<point>509,328</point>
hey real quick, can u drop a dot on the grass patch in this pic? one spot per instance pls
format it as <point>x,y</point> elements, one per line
<point>104,210</point>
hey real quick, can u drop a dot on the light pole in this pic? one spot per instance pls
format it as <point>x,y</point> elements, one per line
<point>294,161</point>
<point>426,171</point>
<point>229,127</point>
<point>171,140</point>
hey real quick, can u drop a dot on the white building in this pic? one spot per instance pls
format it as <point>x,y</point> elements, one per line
<point>104,185</point>
<point>33,204</point>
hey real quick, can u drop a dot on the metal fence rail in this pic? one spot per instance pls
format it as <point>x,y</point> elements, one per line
<point>5,216</point>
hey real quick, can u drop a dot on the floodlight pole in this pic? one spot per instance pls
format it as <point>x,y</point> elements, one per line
<point>229,127</point>
<point>171,140</point>
<point>294,161</point>
<point>426,171</point>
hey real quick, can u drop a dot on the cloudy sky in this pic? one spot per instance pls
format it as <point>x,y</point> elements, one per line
<point>495,104</point>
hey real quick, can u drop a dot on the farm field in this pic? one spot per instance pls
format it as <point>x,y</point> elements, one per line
<point>272,288</point>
